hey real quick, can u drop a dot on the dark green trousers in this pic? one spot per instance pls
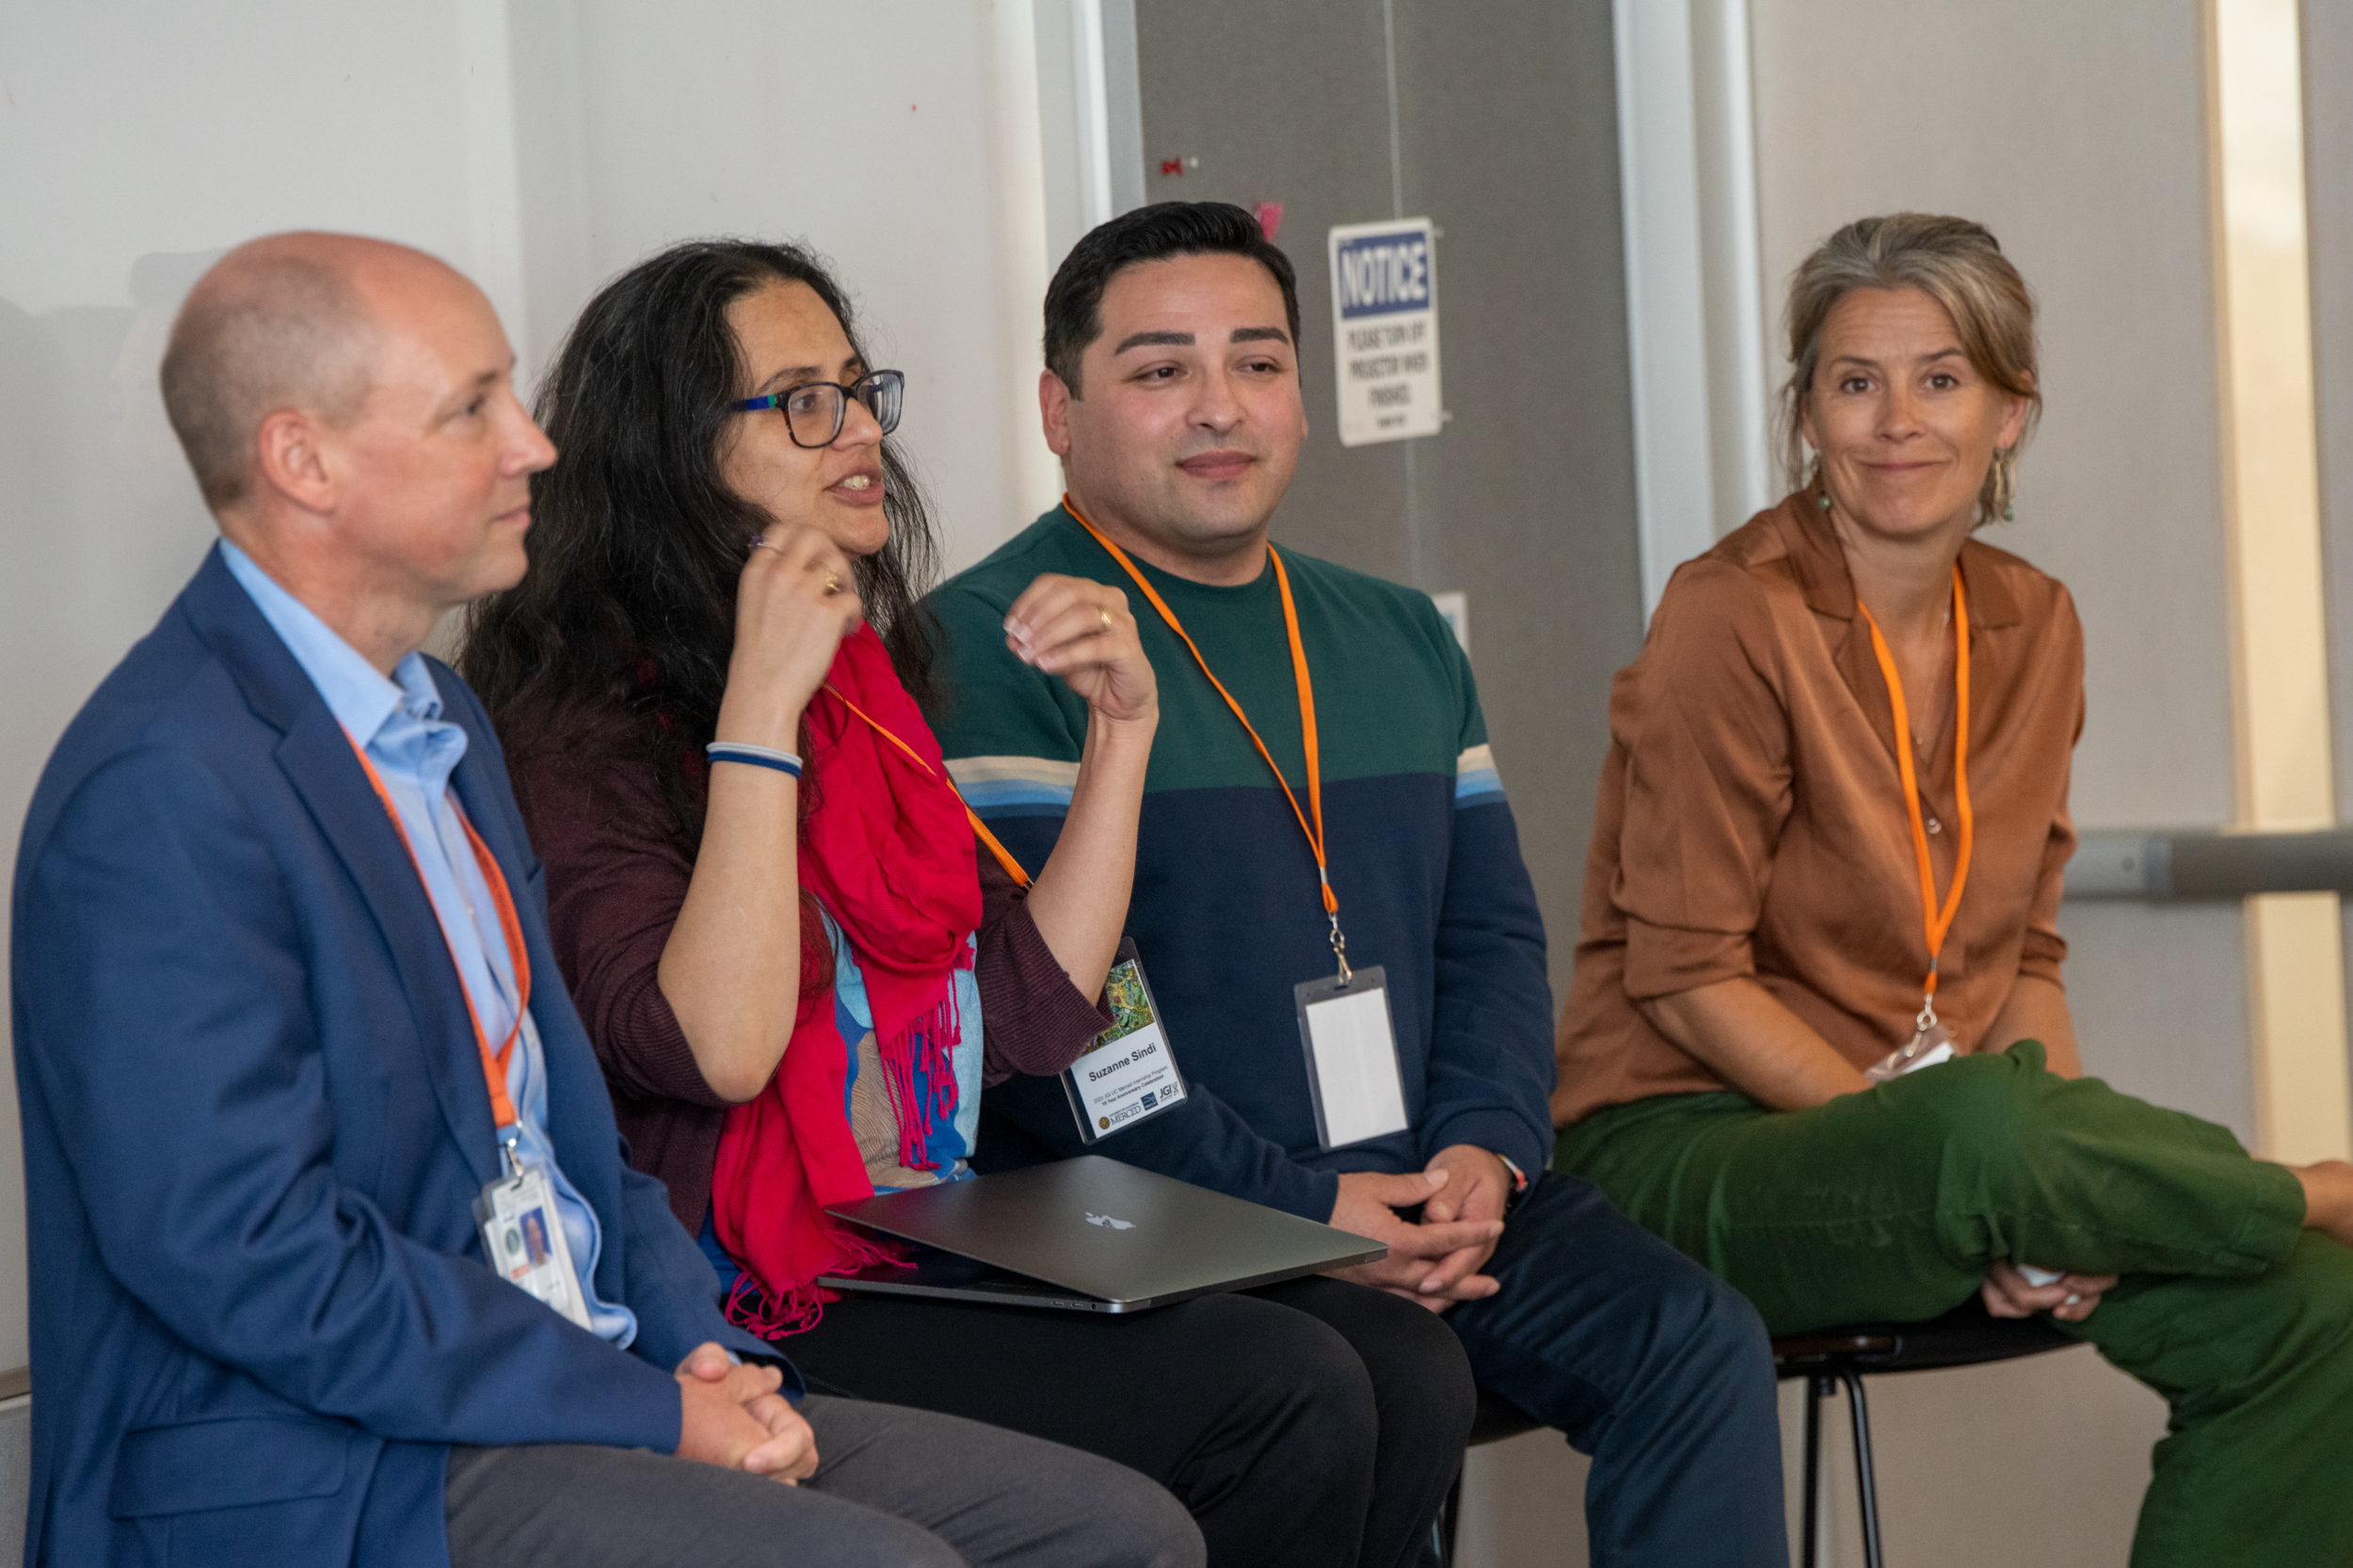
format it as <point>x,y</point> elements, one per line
<point>1890,1205</point>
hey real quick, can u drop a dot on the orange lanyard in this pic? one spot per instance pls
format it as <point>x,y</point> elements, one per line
<point>1004,855</point>
<point>1306,711</point>
<point>1935,922</point>
<point>493,1062</point>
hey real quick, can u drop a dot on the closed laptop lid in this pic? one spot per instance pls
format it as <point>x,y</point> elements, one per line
<point>1111,1230</point>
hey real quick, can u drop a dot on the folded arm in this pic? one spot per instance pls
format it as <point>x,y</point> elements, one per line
<point>1745,1036</point>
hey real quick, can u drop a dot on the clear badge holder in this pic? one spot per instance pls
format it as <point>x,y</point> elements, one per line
<point>1353,1079</point>
<point>522,1237</point>
<point>1931,1044</point>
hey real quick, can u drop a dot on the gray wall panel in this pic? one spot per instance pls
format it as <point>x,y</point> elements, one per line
<point>2159,998</point>
<point>1526,500</point>
<point>2078,134</point>
<point>1289,104</point>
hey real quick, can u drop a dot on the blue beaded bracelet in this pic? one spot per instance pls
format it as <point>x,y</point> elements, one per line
<point>759,757</point>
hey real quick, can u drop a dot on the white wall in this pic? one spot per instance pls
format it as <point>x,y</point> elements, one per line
<point>538,145</point>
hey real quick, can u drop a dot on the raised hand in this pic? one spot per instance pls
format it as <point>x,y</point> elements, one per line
<point>1082,630</point>
<point>794,604</point>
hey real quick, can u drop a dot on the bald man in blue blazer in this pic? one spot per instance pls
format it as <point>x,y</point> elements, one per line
<point>263,973</point>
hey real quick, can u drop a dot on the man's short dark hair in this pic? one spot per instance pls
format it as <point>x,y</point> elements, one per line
<point>1074,300</point>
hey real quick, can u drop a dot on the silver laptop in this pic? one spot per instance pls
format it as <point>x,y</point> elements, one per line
<point>1088,1235</point>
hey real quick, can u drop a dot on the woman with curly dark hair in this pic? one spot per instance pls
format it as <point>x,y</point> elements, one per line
<point>797,967</point>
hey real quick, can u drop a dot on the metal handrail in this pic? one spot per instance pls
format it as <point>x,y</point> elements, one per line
<point>2202,864</point>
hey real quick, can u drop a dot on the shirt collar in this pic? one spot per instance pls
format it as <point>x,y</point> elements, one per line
<point>1821,570</point>
<point>360,697</point>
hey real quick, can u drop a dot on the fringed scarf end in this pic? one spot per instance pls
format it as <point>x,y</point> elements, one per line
<point>930,1039</point>
<point>753,1309</point>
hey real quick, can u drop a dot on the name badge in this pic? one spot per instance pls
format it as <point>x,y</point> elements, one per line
<point>1352,1073</point>
<point>1128,1075</point>
<point>1930,1045</point>
<point>522,1236</point>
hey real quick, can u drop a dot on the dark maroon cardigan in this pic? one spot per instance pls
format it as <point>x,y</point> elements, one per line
<point>615,878</point>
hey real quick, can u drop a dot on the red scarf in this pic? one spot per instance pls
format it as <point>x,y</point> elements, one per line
<point>889,851</point>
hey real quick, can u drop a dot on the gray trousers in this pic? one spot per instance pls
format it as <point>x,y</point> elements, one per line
<point>894,1488</point>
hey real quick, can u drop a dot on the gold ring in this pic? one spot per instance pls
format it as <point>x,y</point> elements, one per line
<point>1107,619</point>
<point>833,584</point>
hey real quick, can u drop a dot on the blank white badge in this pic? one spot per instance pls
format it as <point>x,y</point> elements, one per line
<point>1352,1058</point>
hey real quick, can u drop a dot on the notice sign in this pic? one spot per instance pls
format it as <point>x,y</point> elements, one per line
<point>1385,330</point>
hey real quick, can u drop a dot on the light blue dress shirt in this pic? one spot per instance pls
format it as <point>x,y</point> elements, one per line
<point>415,750</point>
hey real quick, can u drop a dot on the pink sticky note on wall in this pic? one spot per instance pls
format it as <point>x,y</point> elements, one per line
<point>1270,219</point>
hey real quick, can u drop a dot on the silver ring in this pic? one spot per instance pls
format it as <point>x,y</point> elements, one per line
<point>2072,1299</point>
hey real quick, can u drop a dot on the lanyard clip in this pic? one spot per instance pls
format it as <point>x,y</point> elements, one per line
<point>510,1139</point>
<point>1339,951</point>
<point>1926,1021</point>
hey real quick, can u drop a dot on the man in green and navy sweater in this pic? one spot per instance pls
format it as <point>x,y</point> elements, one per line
<point>1172,395</point>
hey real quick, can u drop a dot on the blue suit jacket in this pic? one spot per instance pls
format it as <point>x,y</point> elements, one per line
<point>254,1127</point>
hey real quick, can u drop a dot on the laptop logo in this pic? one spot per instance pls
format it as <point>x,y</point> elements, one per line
<point>1107,1220</point>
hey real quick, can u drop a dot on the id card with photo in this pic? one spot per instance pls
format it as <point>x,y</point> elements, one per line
<point>522,1236</point>
<point>1353,1071</point>
<point>1128,1075</point>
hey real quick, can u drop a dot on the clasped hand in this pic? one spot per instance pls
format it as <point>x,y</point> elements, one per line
<point>731,1414</point>
<point>2071,1298</point>
<point>1436,1260</point>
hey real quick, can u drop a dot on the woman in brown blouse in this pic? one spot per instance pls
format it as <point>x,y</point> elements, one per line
<point>1817,1035</point>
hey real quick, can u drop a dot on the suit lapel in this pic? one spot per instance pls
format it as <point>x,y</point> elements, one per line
<point>318,763</point>
<point>318,760</point>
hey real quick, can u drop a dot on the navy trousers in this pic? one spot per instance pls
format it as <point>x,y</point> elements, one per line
<point>1651,1364</point>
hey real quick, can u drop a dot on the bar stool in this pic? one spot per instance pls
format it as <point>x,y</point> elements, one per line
<point>1496,1420</point>
<point>1966,1336</point>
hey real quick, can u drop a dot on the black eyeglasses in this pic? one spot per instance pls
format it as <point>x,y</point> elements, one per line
<point>813,411</point>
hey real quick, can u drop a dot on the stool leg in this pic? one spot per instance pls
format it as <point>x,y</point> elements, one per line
<point>1817,1390</point>
<point>1863,1482</point>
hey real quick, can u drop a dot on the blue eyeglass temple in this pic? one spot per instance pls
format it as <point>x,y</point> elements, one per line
<point>875,385</point>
